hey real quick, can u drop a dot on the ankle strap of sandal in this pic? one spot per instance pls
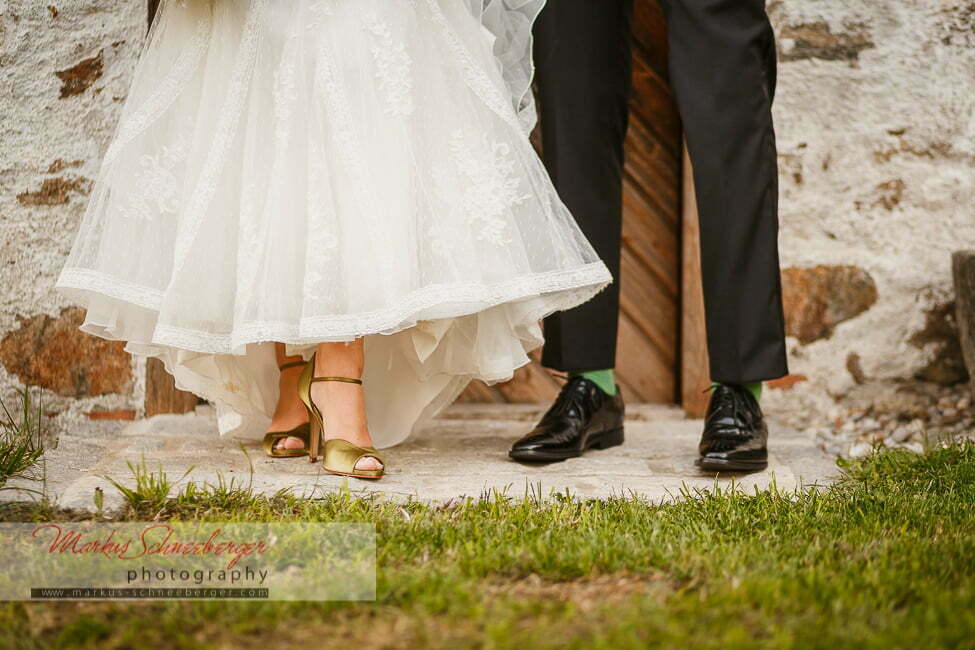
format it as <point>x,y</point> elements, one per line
<point>291,364</point>
<point>348,380</point>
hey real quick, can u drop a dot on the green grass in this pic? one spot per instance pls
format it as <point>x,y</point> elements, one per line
<point>885,558</point>
<point>20,444</point>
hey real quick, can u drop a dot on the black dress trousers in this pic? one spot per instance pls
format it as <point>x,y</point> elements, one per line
<point>582,58</point>
<point>722,70</point>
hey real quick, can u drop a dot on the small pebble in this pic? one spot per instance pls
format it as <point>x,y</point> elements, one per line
<point>901,416</point>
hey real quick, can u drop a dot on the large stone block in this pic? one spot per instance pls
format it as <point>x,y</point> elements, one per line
<point>963,267</point>
<point>818,298</point>
<point>54,354</point>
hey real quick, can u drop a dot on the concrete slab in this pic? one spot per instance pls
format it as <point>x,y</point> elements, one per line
<point>463,453</point>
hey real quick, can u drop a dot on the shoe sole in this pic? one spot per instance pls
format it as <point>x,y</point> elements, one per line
<point>603,440</point>
<point>368,478</point>
<point>718,465</point>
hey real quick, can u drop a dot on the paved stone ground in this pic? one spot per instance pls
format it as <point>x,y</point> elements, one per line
<point>463,453</point>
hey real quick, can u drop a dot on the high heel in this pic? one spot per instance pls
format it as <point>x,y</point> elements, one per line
<point>302,432</point>
<point>340,456</point>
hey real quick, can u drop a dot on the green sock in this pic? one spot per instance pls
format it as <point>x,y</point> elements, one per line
<point>602,378</point>
<point>755,388</point>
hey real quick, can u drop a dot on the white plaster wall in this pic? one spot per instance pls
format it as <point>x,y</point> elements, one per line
<point>904,109</point>
<point>37,127</point>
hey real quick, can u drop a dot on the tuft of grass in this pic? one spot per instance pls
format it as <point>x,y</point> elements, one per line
<point>883,558</point>
<point>151,492</point>
<point>21,448</point>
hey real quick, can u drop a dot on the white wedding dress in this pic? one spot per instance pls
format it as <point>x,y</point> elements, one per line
<point>320,170</point>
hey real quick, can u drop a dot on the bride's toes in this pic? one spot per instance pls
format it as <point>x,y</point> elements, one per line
<point>369,462</point>
<point>289,443</point>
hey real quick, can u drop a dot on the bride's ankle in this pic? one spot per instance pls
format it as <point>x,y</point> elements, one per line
<point>342,406</point>
<point>343,359</point>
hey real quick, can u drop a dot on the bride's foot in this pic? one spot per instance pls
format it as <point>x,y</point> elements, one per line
<point>290,413</point>
<point>342,404</point>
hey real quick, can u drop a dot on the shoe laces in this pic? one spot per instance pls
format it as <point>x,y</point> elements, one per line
<point>731,402</point>
<point>573,399</point>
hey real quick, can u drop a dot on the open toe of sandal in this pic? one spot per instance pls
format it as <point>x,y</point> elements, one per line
<point>272,438</point>
<point>341,457</point>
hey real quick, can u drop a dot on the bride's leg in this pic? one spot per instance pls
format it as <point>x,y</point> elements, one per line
<point>289,412</point>
<point>342,404</point>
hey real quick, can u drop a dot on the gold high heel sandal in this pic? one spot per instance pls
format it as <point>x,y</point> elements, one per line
<point>302,431</point>
<point>340,456</point>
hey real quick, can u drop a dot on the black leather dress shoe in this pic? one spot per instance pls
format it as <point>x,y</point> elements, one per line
<point>735,435</point>
<point>582,417</point>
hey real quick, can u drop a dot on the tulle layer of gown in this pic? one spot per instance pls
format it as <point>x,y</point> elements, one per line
<point>322,170</point>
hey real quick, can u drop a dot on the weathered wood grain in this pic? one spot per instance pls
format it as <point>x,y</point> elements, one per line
<point>694,372</point>
<point>162,396</point>
<point>963,270</point>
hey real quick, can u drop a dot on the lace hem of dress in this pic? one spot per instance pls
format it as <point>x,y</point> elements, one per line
<point>110,287</point>
<point>568,288</point>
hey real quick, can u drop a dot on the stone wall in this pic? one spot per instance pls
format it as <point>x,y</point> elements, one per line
<point>64,72</point>
<point>875,116</point>
<point>877,142</point>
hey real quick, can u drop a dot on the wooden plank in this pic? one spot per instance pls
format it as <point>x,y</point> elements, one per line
<point>532,383</point>
<point>639,363</point>
<point>654,103</point>
<point>694,372</point>
<point>657,248</point>
<point>651,306</point>
<point>161,393</point>
<point>651,168</point>
<point>650,35</point>
<point>478,391</point>
<point>630,394</point>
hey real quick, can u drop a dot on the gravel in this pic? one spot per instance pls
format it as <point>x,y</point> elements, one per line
<point>906,415</point>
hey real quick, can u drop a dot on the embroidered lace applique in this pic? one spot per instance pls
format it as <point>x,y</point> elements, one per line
<point>488,188</point>
<point>393,67</point>
<point>158,190</point>
<point>321,9</point>
<point>322,242</point>
<point>286,86</point>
